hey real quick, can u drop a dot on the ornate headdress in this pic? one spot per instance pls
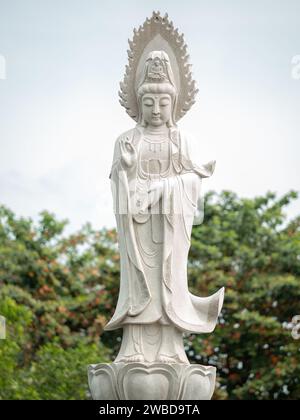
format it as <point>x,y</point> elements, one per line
<point>158,69</point>
<point>158,54</point>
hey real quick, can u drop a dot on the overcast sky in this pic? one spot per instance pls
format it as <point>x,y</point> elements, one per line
<point>59,110</point>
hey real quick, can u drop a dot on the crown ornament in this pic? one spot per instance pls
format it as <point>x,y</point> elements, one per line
<point>156,71</point>
<point>158,34</point>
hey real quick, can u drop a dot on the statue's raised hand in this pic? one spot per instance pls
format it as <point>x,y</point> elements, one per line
<point>128,153</point>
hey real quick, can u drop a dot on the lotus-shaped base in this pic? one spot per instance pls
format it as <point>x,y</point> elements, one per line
<point>151,381</point>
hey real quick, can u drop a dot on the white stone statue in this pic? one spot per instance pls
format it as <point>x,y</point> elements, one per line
<point>156,190</point>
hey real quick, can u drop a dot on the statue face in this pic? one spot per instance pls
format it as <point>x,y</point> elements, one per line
<point>156,108</point>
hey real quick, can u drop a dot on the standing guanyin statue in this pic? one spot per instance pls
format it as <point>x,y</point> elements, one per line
<point>156,186</point>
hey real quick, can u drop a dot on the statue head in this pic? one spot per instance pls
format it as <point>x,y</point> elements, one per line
<point>156,93</point>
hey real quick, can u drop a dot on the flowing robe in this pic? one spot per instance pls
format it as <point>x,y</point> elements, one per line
<point>154,244</point>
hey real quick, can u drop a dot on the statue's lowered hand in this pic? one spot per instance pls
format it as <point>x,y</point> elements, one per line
<point>128,153</point>
<point>154,194</point>
<point>156,189</point>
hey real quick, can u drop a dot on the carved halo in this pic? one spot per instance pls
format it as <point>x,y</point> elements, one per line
<point>158,33</point>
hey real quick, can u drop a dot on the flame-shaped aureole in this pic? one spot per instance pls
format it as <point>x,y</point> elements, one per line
<point>158,33</point>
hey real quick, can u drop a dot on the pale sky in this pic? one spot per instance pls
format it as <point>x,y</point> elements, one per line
<point>59,109</point>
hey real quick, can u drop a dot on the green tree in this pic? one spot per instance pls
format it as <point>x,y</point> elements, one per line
<point>18,317</point>
<point>57,292</point>
<point>249,247</point>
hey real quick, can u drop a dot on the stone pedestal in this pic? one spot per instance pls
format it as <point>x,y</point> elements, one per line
<point>151,381</point>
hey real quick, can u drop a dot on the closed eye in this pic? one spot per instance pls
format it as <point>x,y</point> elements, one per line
<point>148,102</point>
<point>165,102</point>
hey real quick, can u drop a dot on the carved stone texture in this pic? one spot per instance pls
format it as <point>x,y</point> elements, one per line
<point>156,186</point>
<point>153,381</point>
<point>158,32</point>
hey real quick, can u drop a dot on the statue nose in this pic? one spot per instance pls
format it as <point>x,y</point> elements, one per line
<point>156,109</point>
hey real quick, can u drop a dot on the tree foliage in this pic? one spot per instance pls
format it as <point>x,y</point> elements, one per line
<point>248,247</point>
<point>57,292</point>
